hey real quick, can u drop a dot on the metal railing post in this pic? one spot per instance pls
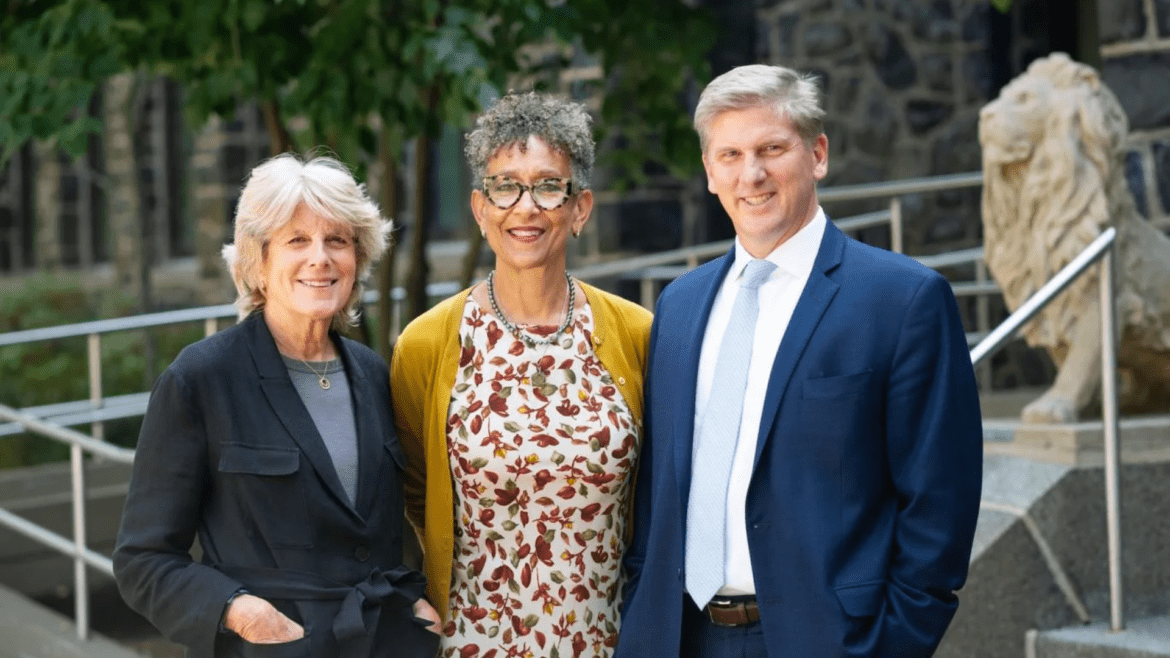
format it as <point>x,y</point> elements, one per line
<point>647,292</point>
<point>210,326</point>
<point>80,583</point>
<point>1111,440</point>
<point>982,320</point>
<point>896,224</point>
<point>94,351</point>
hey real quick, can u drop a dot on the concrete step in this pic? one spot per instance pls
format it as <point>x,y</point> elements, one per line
<point>30,630</point>
<point>42,495</point>
<point>1142,638</point>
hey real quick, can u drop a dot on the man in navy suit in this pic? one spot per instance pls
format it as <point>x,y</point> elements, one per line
<point>810,474</point>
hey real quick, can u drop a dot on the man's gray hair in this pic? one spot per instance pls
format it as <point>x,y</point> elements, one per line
<point>791,94</point>
<point>562,124</point>
<point>274,191</point>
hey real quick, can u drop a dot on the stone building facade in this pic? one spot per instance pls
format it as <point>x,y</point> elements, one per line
<point>1135,54</point>
<point>904,81</point>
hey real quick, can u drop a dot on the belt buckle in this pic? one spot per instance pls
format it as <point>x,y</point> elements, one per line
<point>730,606</point>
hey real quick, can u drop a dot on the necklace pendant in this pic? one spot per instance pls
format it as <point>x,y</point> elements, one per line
<point>324,383</point>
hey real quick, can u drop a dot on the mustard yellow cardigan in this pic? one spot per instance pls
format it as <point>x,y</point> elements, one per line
<point>422,374</point>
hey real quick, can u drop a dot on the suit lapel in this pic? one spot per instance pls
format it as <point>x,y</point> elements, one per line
<point>371,454</point>
<point>289,409</point>
<point>811,306</point>
<point>695,297</point>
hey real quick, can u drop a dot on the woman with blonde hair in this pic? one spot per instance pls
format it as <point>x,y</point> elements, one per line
<point>271,444</point>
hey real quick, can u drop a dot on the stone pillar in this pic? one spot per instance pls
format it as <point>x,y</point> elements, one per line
<point>124,203</point>
<point>47,204</point>
<point>212,225</point>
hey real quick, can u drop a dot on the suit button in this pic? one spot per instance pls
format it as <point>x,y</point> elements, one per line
<point>621,381</point>
<point>362,553</point>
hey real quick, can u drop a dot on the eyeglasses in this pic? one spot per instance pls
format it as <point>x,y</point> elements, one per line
<point>547,193</point>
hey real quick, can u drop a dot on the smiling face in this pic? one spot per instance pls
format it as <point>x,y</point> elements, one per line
<point>309,269</point>
<point>764,175</point>
<point>526,236</point>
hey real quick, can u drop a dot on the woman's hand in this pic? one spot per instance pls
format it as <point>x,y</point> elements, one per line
<point>424,610</point>
<point>257,621</point>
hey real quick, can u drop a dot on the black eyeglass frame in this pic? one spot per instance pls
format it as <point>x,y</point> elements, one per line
<point>568,181</point>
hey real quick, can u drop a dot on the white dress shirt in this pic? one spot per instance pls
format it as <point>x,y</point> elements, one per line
<point>778,296</point>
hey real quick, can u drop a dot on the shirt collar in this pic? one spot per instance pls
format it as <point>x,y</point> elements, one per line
<point>794,257</point>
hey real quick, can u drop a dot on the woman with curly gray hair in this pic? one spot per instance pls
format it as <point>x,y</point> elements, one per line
<point>270,442</point>
<point>519,406</point>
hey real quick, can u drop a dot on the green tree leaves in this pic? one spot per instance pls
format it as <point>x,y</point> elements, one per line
<point>55,54</point>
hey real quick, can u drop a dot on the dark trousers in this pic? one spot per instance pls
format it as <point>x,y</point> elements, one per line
<point>702,639</point>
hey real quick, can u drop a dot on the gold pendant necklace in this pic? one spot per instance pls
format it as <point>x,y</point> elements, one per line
<point>322,380</point>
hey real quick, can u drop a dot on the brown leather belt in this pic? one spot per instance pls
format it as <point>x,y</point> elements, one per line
<point>731,613</point>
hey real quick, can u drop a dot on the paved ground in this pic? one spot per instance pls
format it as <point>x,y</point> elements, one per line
<point>110,617</point>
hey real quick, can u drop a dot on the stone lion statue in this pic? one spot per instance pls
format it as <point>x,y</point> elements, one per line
<point>1053,180</point>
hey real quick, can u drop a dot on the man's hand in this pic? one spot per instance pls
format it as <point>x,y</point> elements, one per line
<point>258,622</point>
<point>424,610</point>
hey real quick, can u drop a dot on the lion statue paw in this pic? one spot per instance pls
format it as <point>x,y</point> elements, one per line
<point>1050,408</point>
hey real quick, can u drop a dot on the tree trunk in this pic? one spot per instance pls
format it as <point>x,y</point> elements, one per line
<point>388,333</point>
<point>471,258</point>
<point>279,139</point>
<point>416,291</point>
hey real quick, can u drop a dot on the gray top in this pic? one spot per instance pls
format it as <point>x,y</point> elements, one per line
<point>332,412</point>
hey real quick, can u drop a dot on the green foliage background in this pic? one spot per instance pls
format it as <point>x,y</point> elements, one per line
<point>362,78</point>
<point>53,371</point>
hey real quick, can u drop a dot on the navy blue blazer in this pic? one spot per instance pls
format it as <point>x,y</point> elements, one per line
<point>228,453</point>
<point>862,504</point>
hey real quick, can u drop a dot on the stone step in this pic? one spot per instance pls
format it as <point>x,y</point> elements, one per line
<point>30,630</point>
<point>1142,638</point>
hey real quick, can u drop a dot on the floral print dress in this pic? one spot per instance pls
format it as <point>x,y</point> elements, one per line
<point>542,448</point>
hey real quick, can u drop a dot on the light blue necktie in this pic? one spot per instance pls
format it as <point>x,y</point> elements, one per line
<point>711,470</point>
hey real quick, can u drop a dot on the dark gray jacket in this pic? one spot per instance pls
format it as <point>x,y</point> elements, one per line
<point>229,453</point>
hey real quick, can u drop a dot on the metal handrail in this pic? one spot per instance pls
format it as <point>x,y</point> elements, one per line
<point>1033,305</point>
<point>901,187</point>
<point>163,318</point>
<point>82,555</point>
<point>1100,249</point>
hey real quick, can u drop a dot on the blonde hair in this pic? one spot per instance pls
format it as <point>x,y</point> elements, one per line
<point>789,93</point>
<point>272,194</point>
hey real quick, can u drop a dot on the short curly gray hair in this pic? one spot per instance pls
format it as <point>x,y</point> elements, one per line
<point>791,94</point>
<point>274,191</point>
<point>562,124</point>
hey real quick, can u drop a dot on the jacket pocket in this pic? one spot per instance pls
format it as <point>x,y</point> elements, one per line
<point>837,386</point>
<point>254,460</point>
<point>862,600</point>
<point>267,485</point>
<point>295,649</point>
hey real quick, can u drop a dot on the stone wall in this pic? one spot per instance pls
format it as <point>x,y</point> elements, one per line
<point>904,81</point>
<point>1135,63</point>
